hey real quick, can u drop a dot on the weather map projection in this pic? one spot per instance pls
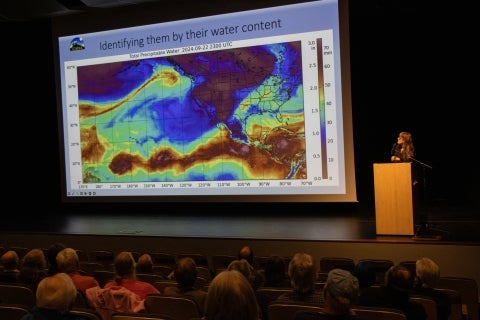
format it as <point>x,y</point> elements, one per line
<point>233,117</point>
<point>234,114</point>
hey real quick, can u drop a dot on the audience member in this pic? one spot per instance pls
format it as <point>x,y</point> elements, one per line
<point>55,297</point>
<point>69,263</point>
<point>427,276</point>
<point>231,297</point>
<point>367,278</point>
<point>145,264</point>
<point>245,268</point>
<point>303,274</point>
<point>125,275</point>
<point>275,276</point>
<point>9,262</point>
<point>32,268</point>
<point>341,295</point>
<point>51,256</point>
<point>185,273</point>
<point>275,272</point>
<point>246,252</point>
<point>395,293</point>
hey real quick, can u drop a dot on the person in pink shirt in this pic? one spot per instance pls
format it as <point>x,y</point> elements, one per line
<point>125,276</point>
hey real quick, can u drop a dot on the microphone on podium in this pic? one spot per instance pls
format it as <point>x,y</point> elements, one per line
<point>394,150</point>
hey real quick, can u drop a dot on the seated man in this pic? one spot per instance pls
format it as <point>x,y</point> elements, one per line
<point>341,294</point>
<point>68,262</point>
<point>303,273</point>
<point>185,273</point>
<point>427,275</point>
<point>9,261</point>
<point>55,297</point>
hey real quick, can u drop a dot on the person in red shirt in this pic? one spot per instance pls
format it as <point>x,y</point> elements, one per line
<point>125,276</point>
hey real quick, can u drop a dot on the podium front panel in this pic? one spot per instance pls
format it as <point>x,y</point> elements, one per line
<point>393,198</point>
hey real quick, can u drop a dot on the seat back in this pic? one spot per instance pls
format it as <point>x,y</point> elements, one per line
<point>456,303</point>
<point>163,259</point>
<point>468,290</point>
<point>13,311</point>
<point>80,300</point>
<point>178,308</point>
<point>428,304</point>
<point>377,313</point>
<point>104,257</point>
<point>286,310</point>
<point>163,270</point>
<point>329,263</point>
<point>149,277</point>
<point>90,267</point>
<point>87,313</point>
<point>15,293</point>
<point>103,276</point>
<point>273,292</point>
<point>221,261</point>
<point>162,284</point>
<point>205,273</point>
<point>139,316</point>
<point>380,266</point>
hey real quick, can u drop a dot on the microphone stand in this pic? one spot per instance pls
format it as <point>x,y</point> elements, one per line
<point>424,231</point>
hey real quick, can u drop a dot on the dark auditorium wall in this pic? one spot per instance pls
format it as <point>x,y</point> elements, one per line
<point>408,73</point>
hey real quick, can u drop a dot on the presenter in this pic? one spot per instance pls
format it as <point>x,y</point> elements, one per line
<point>403,150</point>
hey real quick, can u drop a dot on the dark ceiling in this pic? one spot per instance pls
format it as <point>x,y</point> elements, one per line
<point>27,10</point>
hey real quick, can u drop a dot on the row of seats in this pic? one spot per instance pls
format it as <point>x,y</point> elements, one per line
<point>100,261</point>
<point>16,312</point>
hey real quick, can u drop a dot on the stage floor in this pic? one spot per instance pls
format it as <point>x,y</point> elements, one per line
<point>448,224</point>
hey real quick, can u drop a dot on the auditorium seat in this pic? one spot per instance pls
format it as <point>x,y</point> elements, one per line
<point>178,308</point>
<point>163,270</point>
<point>468,290</point>
<point>286,310</point>
<point>429,305</point>
<point>103,276</point>
<point>139,316</point>
<point>162,284</point>
<point>90,267</point>
<point>104,257</point>
<point>149,277</point>
<point>273,292</point>
<point>13,311</point>
<point>221,261</point>
<point>380,266</point>
<point>329,263</point>
<point>16,293</point>
<point>378,313</point>
<point>82,255</point>
<point>205,273</point>
<point>456,302</point>
<point>87,313</point>
<point>163,259</point>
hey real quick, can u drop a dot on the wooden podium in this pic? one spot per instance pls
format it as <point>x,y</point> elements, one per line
<point>394,208</point>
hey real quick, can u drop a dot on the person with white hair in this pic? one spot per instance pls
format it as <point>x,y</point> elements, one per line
<point>426,279</point>
<point>55,297</point>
